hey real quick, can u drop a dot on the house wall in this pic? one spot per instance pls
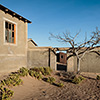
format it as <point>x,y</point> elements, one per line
<point>30,44</point>
<point>37,58</point>
<point>89,63</point>
<point>71,62</point>
<point>13,56</point>
<point>41,58</point>
<point>53,58</point>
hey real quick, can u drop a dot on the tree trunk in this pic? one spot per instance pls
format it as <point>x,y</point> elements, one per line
<point>78,65</point>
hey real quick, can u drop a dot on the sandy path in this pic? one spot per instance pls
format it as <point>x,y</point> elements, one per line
<point>30,87</point>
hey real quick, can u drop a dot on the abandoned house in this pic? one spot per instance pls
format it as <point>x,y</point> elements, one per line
<point>16,50</point>
<point>13,40</point>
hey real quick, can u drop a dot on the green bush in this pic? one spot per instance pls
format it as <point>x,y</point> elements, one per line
<point>60,84</point>
<point>98,77</point>
<point>31,73</point>
<point>23,71</point>
<point>47,70</point>
<point>6,93</point>
<point>36,69</point>
<point>78,79</point>
<point>38,75</point>
<point>35,74</point>
<point>44,70</point>
<point>7,81</point>
<point>81,78</point>
<point>50,80</point>
<point>2,83</point>
<point>12,80</point>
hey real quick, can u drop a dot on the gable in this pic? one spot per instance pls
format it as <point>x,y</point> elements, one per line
<point>31,43</point>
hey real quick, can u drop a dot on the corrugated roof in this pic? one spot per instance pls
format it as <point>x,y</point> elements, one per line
<point>6,10</point>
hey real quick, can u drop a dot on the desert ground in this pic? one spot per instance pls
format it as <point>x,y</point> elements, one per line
<point>34,89</point>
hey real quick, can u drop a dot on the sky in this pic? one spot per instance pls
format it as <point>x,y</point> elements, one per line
<point>57,16</point>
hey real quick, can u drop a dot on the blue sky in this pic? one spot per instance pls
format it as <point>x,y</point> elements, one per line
<point>57,16</point>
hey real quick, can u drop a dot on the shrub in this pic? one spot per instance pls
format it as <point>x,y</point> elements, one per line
<point>23,71</point>
<point>35,74</point>
<point>2,82</point>
<point>50,80</point>
<point>78,79</point>
<point>36,69</point>
<point>31,73</point>
<point>12,79</point>
<point>42,70</point>
<point>60,84</point>
<point>18,82</point>
<point>6,93</point>
<point>7,81</point>
<point>45,70</point>
<point>98,77</point>
<point>38,75</point>
<point>81,78</point>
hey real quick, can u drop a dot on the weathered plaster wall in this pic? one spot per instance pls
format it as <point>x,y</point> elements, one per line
<point>37,58</point>
<point>41,57</point>
<point>53,58</point>
<point>30,44</point>
<point>89,63</point>
<point>70,64</point>
<point>13,56</point>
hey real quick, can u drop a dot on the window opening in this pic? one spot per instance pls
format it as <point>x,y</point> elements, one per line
<point>10,32</point>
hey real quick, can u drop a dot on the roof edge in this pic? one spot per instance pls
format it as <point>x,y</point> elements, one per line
<point>6,10</point>
<point>29,39</point>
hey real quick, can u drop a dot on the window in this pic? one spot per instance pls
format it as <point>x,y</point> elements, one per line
<point>62,56</point>
<point>10,32</point>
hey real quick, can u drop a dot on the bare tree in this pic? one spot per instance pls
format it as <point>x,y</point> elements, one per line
<point>81,48</point>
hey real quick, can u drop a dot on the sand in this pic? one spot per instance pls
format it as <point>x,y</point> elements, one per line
<point>33,89</point>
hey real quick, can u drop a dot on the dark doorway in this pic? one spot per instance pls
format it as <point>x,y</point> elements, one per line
<point>61,67</point>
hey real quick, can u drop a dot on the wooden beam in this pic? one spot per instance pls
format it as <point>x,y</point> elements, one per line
<point>6,10</point>
<point>20,17</point>
<point>14,14</point>
<point>25,20</point>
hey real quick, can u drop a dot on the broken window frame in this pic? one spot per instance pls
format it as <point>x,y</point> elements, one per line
<point>10,32</point>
